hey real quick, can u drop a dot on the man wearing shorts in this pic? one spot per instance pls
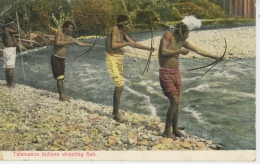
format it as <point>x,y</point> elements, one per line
<point>60,50</point>
<point>9,54</point>
<point>169,74</point>
<point>117,38</point>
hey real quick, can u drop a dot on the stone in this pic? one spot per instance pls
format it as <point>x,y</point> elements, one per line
<point>87,140</point>
<point>160,126</point>
<point>155,133</point>
<point>25,127</point>
<point>113,137</point>
<point>186,145</point>
<point>122,127</point>
<point>159,147</point>
<point>141,128</point>
<point>145,136</point>
<point>132,141</point>
<point>142,148</point>
<point>132,135</point>
<point>200,144</point>
<point>166,140</point>
<point>58,120</point>
<point>210,142</point>
<point>144,142</point>
<point>93,116</point>
<point>110,142</point>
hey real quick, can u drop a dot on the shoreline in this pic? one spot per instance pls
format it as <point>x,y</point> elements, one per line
<point>241,43</point>
<point>35,120</point>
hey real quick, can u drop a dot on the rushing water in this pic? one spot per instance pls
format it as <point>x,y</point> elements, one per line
<point>219,106</point>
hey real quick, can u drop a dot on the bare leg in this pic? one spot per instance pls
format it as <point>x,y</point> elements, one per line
<point>116,103</point>
<point>9,72</point>
<point>175,120</point>
<point>7,77</point>
<point>174,104</point>
<point>60,87</point>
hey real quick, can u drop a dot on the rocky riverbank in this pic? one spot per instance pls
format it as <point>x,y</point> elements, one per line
<point>33,119</point>
<point>240,40</point>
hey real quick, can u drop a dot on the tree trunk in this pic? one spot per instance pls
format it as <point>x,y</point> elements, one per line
<point>25,6</point>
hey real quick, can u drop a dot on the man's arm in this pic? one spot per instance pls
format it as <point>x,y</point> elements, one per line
<point>137,45</point>
<point>14,39</point>
<point>116,44</point>
<point>199,51</point>
<point>13,31</point>
<point>165,44</point>
<point>79,43</point>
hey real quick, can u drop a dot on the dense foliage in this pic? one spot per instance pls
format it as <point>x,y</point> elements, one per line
<point>96,16</point>
<point>42,13</point>
<point>202,9</point>
<point>92,15</point>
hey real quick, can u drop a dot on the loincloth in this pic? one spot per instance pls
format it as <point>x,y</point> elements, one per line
<point>9,57</point>
<point>58,67</point>
<point>115,66</point>
<point>170,81</point>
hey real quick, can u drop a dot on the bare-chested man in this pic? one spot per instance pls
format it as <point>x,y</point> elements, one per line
<point>169,74</point>
<point>9,54</point>
<point>117,38</point>
<point>60,50</point>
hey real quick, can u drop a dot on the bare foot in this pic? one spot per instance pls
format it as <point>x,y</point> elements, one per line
<point>119,118</point>
<point>179,134</point>
<point>169,135</point>
<point>10,85</point>
<point>64,98</point>
<point>67,97</point>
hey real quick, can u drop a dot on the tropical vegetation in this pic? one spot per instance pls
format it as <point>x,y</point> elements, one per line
<point>96,16</point>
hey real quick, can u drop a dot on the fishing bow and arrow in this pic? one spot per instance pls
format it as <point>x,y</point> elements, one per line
<point>90,48</point>
<point>213,64</point>
<point>151,52</point>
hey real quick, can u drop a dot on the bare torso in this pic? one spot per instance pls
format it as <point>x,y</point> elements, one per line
<point>170,42</point>
<point>114,35</point>
<point>8,37</point>
<point>61,51</point>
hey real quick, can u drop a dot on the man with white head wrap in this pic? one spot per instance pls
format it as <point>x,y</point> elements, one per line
<point>171,46</point>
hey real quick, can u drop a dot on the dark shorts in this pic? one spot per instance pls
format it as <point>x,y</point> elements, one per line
<point>170,81</point>
<point>58,67</point>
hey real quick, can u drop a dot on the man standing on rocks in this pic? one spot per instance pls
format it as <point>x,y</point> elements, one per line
<point>9,54</point>
<point>169,74</point>
<point>62,40</point>
<point>117,38</point>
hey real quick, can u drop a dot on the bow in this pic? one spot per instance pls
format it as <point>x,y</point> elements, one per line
<point>136,54</point>
<point>213,64</point>
<point>151,52</point>
<point>20,43</point>
<point>129,16</point>
<point>87,51</point>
